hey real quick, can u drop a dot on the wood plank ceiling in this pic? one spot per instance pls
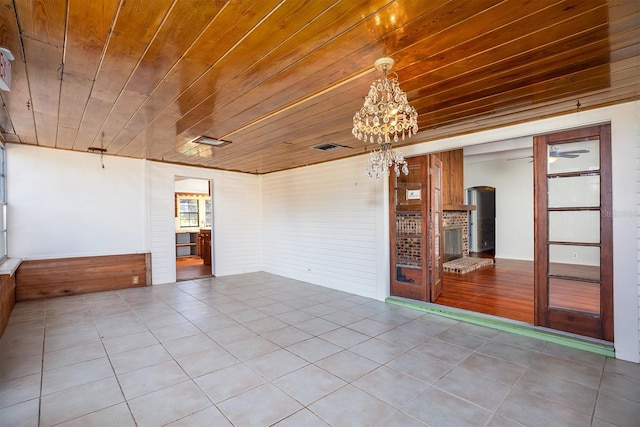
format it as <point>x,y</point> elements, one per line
<point>143,78</point>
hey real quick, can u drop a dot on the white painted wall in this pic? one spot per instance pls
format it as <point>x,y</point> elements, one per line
<point>513,181</point>
<point>190,185</point>
<point>64,204</point>
<point>236,231</point>
<point>323,224</point>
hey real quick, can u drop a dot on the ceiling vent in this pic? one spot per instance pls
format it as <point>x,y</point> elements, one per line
<point>214,142</point>
<point>326,147</point>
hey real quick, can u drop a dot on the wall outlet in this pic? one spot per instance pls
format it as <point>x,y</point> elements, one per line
<point>575,255</point>
<point>135,280</point>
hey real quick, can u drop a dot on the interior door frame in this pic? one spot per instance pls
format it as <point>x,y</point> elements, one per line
<point>601,326</point>
<point>434,185</point>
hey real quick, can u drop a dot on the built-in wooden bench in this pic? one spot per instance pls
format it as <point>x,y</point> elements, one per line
<point>7,299</point>
<point>7,290</point>
<point>50,278</point>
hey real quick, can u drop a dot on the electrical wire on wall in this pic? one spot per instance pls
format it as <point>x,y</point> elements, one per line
<point>100,150</point>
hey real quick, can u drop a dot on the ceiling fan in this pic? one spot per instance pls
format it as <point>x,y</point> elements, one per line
<point>555,153</point>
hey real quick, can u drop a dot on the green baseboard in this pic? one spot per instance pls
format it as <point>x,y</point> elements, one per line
<point>515,327</point>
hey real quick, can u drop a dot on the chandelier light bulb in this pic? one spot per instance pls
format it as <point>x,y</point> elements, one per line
<point>385,117</point>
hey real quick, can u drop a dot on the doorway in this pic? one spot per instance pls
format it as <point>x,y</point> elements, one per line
<point>482,221</point>
<point>193,228</point>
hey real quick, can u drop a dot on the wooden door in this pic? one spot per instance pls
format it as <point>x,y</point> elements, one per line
<point>435,228</point>
<point>408,231</point>
<point>573,232</point>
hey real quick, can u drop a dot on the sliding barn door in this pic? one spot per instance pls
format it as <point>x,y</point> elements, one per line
<point>573,232</point>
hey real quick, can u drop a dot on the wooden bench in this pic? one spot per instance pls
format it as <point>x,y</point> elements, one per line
<point>51,278</point>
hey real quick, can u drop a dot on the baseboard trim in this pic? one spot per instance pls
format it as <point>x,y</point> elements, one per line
<point>570,340</point>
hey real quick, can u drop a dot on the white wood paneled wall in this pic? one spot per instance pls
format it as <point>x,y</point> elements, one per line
<point>323,224</point>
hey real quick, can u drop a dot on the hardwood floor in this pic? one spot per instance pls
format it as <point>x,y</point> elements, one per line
<point>188,268</point>
<point>504,290</point>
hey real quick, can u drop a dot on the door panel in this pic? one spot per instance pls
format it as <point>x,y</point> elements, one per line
<point>435,228</point>
<point>408,230</point>
<point>573,232</point>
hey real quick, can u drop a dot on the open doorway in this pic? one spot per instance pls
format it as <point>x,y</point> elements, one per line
<point>498,183</point>
<point>193,228</point>
<point>482,221</point>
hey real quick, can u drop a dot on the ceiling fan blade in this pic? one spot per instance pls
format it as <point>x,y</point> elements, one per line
<point>575,151</point>
<point>520,158</point>
<point>566,155</point>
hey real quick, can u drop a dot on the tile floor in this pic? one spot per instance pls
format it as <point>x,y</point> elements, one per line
<point>261,350</point>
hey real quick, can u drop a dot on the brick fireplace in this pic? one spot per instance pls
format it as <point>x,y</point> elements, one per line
<point>457,220</point>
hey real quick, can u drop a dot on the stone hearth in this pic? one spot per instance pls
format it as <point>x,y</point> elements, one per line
<point>466,264</point>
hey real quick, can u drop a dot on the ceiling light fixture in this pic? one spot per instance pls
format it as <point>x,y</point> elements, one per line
<point>385,116</point>
<point>210,141</point>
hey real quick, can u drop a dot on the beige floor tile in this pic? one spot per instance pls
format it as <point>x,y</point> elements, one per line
<point>391,386</point>
<point>210,416</point>
<point>79,401</point>
<point>261,406</point>
<point>19,366</point>
<point>496,369</point>
<point>308,384</point>
<point>23,414</point>
<point>302,418</point>
<point>534,411</point>
<point>286,336</point>
<point>129,342</point>
<point>276,364</point>
<point>74,375</point>
<point>474,388</point>
<point>169,404</point>
<point>350,406</point>
<point>314,349</point>
<point>139,358</point>
<point>204,362</point>
<point>150,379</point>
<point>617,410</point>
<point>73,355</point>
<point>444,351</point>
<point>347,365</point>
<point>378,350</point>
<point>117,415</point>
<point>18,390</point>
<point>573,395</point>
<point>406,368</point>
<point>228,382</point>
<point>192,344</point>
<point>438,408</point>
<point>251,348</point>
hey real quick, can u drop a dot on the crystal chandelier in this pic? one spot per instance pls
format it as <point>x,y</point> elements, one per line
<point>385,115</point>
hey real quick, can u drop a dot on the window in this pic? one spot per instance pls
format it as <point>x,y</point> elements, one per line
<point>188,211</point>
<point>3,203</point>
<point>207,213</point>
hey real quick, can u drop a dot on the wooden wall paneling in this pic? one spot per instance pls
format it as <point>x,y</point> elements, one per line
<point>7,299</point>
<point>452,177</point>
<point>323,67</point>
<point>50,278</point>
<point>15,102</point>
<point>215,43</point>
<point>44,85</point>
<point>88,29</point>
